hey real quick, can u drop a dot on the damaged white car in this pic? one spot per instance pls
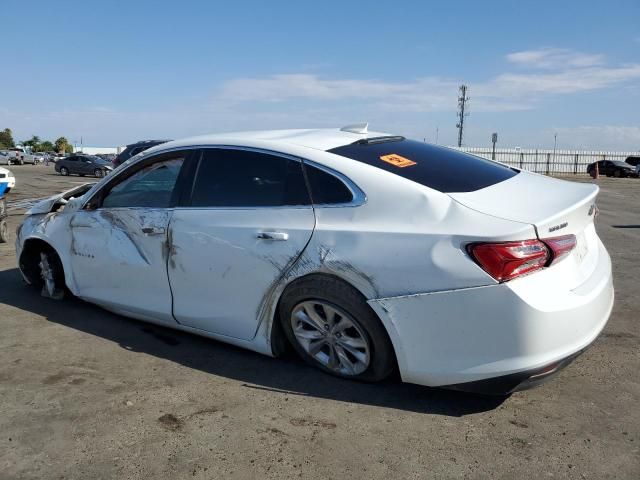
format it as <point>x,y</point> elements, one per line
<point>365,252</point>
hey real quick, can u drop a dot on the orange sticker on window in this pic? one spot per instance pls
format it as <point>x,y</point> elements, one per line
<point>397,160</point>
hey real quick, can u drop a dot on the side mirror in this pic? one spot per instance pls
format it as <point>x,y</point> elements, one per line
<point>73,204</point>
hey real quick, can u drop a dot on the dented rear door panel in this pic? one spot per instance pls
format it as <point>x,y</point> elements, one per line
<point>222,272</point>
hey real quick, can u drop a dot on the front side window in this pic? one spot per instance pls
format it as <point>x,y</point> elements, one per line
<point>151,187</point>
<point>244,178</point>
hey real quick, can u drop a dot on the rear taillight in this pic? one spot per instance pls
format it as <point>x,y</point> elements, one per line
<point>508,260</point>
<point>561,246</point>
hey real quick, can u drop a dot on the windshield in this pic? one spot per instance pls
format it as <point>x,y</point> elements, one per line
<point>618,163</point>
<point>443,169</point>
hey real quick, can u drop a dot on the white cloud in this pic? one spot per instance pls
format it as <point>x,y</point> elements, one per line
<point>505,92</point>
<point>555,58</point>
<point>613,137</point>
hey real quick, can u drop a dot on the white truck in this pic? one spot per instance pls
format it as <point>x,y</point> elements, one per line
<point>19,155</point>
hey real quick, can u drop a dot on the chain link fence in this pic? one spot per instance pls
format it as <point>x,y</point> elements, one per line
<point>560,162</point>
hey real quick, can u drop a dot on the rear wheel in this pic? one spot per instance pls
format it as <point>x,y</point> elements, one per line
<point>331,327</point>
<point>64,171</point>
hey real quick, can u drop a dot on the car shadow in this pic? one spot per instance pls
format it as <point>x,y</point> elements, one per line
<point>287,375</point>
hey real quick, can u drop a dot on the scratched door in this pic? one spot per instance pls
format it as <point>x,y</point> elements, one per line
<point>119,245</point>
<point>249,219</point>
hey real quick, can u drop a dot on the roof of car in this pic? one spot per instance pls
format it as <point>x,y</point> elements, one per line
<point>144,142</point>
<point>319,139</point>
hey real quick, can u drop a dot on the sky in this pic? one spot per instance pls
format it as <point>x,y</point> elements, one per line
<point>114,72</point>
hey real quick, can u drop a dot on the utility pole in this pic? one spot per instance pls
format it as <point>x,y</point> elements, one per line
<point>462,100</point>
<point>494,140</point>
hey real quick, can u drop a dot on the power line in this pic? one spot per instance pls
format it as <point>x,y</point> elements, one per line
<point>462,101</point>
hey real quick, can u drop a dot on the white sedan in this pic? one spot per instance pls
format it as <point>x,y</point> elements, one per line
<point>365,252</point>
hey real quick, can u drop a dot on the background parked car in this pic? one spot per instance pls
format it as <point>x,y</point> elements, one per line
<point>134,149</point>
<point>5,157</point>
<point>20,156</point>
<point>83,165</point>
<point>633,160</point>
<point>612,168</point>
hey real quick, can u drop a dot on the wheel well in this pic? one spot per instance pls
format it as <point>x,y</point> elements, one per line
<point>279,343</point>
<point>30,259</point>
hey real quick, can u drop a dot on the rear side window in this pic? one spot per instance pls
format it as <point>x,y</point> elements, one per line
<point>326,188</point>
<point>440,168</point>
<point>243,178</point>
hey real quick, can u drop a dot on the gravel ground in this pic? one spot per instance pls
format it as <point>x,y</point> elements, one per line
<point>87,394</point>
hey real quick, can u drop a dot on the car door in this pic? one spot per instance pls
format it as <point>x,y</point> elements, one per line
<point>119,239</point>
<point>85,165</point>
<point>71,164</point>
<point>247,221</point>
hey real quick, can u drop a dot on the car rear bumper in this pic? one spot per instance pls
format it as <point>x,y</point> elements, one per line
<point>507,335</point>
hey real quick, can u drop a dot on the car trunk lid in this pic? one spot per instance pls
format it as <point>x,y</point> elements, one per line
<point>554,207</point>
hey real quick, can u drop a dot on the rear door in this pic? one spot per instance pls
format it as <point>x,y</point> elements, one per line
<point>246,223</point>
<point>119,240</point>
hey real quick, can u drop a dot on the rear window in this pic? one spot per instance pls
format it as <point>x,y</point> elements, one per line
<point>440,168</point>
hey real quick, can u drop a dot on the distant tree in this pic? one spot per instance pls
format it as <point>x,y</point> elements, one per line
<point>46,146</point>
<point>34,143</point>
<point>6,138</point>
<point>62,145</point>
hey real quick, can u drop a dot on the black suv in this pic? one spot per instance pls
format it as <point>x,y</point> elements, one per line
<point>612,168</point>
<point>134,149</point>
<point>633,160</point>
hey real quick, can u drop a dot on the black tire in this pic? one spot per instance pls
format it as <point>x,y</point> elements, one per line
<point>336,292</point>
<point>617,174</point>
<point>64,171</point>
<point>97,173</point>
<point>57,270</point>
<point>4,231</point>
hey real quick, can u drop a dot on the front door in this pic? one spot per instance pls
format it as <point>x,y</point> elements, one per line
<point>248,220</point>
<point>119,240</point>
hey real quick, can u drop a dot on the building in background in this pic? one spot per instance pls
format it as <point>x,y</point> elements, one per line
<point>98,150</point>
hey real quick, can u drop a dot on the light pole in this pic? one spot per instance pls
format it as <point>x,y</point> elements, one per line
<point>494,140</point>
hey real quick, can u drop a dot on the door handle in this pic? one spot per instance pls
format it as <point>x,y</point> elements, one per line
<point>280,236</point>
<point>153,230</point>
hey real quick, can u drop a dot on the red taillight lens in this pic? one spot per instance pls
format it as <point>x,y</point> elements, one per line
<point>508,260</point>
<point>561,246</point>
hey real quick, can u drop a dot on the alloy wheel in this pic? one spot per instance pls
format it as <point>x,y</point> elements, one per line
<point>47,274</point>
<point>331,337</point>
